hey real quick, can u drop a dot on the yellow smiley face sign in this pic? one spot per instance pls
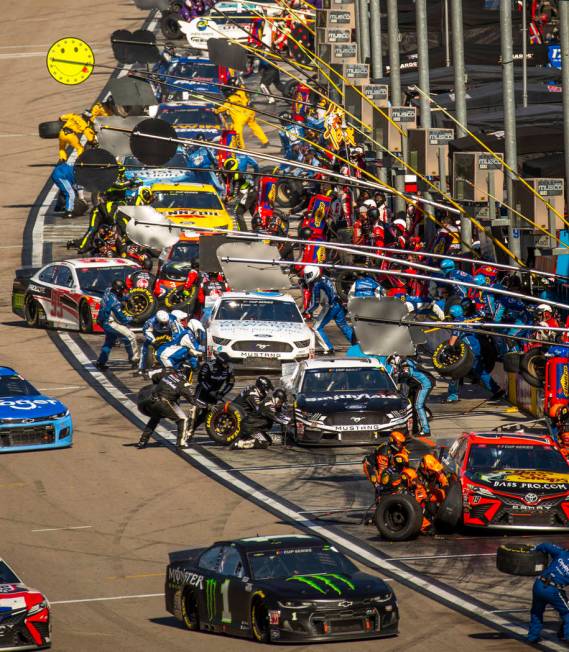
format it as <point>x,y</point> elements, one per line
<point>70,61</point>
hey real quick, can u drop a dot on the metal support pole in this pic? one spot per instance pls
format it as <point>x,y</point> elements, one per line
<point>443,169</point>
<point>394,62</point>
<point>564,30</point>
<point>514,240</point>
<point>447,35</point>
<point>376,40</point>
<point>525,53</point>
<point>363,30</point>
<point>423,52</point>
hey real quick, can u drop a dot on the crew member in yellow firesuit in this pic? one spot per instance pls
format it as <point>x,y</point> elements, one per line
<point>75,126</point>
<point>236,106</point>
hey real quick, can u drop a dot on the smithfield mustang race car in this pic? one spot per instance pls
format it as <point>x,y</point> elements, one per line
<point>511,481</point>
<point>192,120</point>
<point>292,588</point>
<point>28,419</point>
<point>67,294</point>
<point>259,330</point>
<point>24,614</point>
<point>344,401</point>
<point>199,30</point>
<point>192,204</point>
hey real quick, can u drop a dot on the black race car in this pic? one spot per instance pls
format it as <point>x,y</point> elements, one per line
<point>291,588</point>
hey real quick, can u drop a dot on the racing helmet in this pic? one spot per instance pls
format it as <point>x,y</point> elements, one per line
<point>311,273</point>
<point>305,233</point>
<point>559,412</point>
<point>231,164</point>
<point>221,358</point>
<point>162,317</point>
<point>279,397</point>
<point>263,385</point>
<point>372,214</point>
<point>145,196</point>
<point>180,315</point>
<point>401,459</point>
<point>544,308</point>
<point>400,224</point>
<point>370,203</point>
<point>118,287</point>
<point>447,265</point>
<point>285,117</point>
<point>456,311</point>
<point>480,279</point>
<point>396,441</point>
<point>430,465</point>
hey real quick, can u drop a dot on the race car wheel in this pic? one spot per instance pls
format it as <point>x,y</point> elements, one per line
<point>532,367</point>
<point>169,25</point>
<point>80,207</point>
<point>151,359</point>
<point>520,559</point>
<point>85,318</point>
<point>288,193</point>
<point>260,622</point>
<point>190,611</point>
<point>175,6</point>
<point>33,313</point>
<point>398,517</point>
<point>449,513</point>
<point>177,299</point>
<point>455,362</point>
<point>343,283</point>
<point>223,423</point>
<point>140,305</point>
<point>511,361</point>
<point>49,129</point>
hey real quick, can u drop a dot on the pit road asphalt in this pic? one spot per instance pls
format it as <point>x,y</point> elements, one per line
<point>97,520</point>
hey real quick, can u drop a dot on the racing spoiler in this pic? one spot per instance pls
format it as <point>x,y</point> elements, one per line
<point>185,555</point>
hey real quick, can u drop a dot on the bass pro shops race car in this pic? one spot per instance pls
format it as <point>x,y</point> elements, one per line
<point>344,401</point>
<point>280,589</point>
<point>511,481</point>
<point>24,614</point>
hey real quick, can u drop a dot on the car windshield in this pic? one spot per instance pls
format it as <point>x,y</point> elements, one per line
<point>186,199</point>
<point>290,562</point>
<point>184,252</point>
<point>7,576</point>
<point>95,280</point>
<point>491,457</point>
<point>331,379</point>
<point>193,70</point>
<point>177,161</point>
<point>258,310</point>
<point>201,117</point>
<point>16,386</point>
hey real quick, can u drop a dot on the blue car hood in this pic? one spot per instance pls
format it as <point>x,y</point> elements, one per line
<point>29,407</point>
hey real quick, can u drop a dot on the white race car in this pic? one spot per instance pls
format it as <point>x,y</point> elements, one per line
<point>199,30</point>
<point>259,330</point>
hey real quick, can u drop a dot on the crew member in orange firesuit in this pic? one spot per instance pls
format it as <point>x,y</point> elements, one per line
<point>383,456</point>
<point>432,475</point>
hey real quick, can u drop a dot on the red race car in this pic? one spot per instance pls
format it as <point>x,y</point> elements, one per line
<point>24,614</point>
<point>511,481</point>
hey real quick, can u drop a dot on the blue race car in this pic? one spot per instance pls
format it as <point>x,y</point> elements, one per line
<point>193,120</point>
<point>29,420</point>
<point>174,171</point>
<point>199,76</point>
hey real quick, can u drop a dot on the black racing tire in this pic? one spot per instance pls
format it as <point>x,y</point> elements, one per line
<point>140,304</point>
<point>224,423</point>
<point>288,193</point>
<point>456,365</point>
<point>80,207</point>
<point>343,283</point>
<point>488,352</point>
<point>169,25</point>
<point>532,367</point>
<point>175,6</point>
<point>190,611</point>
<point>85,318</point>
<point>50,129</point>
<point>175,299</point>
<point>151,359</point>
<point>398,517</point>
<point>450,511</point>
<point>511,361</point>
<point>520,559</point>
<point>32,312</point>
<point>260,621</point>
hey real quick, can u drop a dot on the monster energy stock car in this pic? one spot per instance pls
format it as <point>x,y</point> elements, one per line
<point>278,589</point>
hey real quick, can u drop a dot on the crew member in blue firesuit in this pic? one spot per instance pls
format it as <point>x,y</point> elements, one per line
<point>549,588</point>
<point>63,176</point>
<point>162,323</point>
<point>478,370</point>
<point>202,158</point>
<point>114,322</point>
<point>366,286</point>
<point>184,348</point>
<point>421,385</point>
<point>449,271</point>
<point>323,292</point>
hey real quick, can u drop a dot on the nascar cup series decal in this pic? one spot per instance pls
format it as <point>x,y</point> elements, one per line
<point>526,479</point>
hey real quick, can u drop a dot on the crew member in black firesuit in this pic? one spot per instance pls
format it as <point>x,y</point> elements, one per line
<point>161,400</point>
<point>215,380</point>
<point>260,411</point>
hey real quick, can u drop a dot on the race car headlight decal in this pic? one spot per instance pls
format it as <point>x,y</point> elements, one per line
<point>481,491</point>
<point>384,597</point>
<point>37,607</point>
<point>302,344</point>
<point>220,340</point>
<point>294,604</point>
<point>61,415</point>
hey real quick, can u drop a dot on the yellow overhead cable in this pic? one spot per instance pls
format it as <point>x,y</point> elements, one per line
<point>296,15</point>
<point>494,154</point>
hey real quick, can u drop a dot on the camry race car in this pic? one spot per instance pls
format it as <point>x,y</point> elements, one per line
<point>24,614</point>
<point>259,330</point>
<point>67,294</point>
<point>192,204</point>
<point>278,589</point>
<point>28,419</point>
<point>344,401</point>
<point>511,481</point>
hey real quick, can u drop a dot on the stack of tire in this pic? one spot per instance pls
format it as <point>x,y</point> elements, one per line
<point>529,365</point>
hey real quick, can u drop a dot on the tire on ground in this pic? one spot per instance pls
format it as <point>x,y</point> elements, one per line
<point>32,312</point>
<point>520,559</point>
<point>170,26</point>
<point>224,423</point>
<point>140,304</point>
<point>288,193</point>
<point>80,207</point>
<point>532,367</point>
<point>398,517</point>
<point>85,318</point>
<point>49,129</point>
<point>260,621</point>
<point>455,365</point>
<point>511,361</point>
<point>190,611</point>
<point>449,513</point>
